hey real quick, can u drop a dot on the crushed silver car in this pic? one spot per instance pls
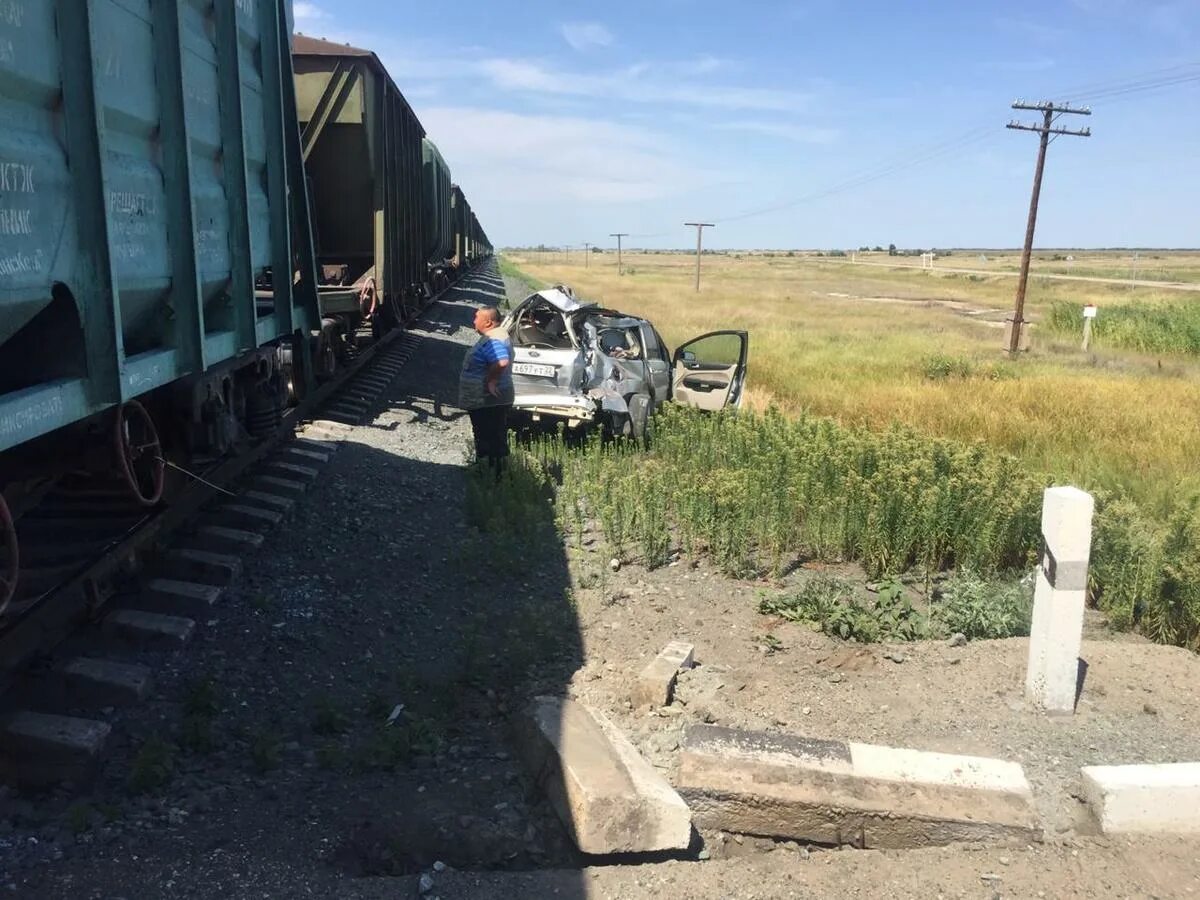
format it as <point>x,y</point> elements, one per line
<point>580,363</point>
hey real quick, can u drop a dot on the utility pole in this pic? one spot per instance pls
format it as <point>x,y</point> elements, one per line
<point>587,255</point>
<point>1050,112</point>
<point>618,235</point>
<point>699,226</point>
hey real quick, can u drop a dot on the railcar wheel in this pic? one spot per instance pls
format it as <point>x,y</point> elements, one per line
<point>327,351</point>
<point>368,299</point>
<point>11,567</point>
<point>139,453</point>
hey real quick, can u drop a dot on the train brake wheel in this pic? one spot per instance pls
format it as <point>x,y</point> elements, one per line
<point>139,453</point>
<point>11,567</point>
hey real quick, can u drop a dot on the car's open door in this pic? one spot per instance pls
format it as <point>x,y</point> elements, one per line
<point>709,371</point>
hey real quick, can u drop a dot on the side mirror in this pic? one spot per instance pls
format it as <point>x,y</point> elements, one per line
<point>688,356</point>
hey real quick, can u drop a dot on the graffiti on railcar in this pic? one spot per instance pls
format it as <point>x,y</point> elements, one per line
<point>28,417</point>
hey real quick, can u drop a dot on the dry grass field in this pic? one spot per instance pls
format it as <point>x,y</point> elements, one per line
<point>873,345</point>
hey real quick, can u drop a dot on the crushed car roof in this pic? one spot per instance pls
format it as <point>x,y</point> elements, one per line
<point>561,301</point>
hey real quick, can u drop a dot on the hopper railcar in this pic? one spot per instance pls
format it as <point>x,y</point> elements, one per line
<point>161,296</point>
<point>150,193</point>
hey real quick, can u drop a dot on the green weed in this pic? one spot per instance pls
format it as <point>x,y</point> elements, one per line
<point>1144,327</point>
<point>201,697</point>
<point>79,818</point>
<point>939,366</point>
<point>984,608</point>
<point>264,750</point>
<point>833,605</point>
<point>760,493</point>
<point>330,757</point>
<point>196,734</point>
<point>327,717</point>
<point>153,766</point>
<point>392,747</point>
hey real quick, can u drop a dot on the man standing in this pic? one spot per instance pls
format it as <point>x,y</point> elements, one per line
<point>485,388</point>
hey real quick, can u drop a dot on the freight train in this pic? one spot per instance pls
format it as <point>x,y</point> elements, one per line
<point>199,220</point>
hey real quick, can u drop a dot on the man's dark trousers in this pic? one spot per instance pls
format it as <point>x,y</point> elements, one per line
<point>490,425</point>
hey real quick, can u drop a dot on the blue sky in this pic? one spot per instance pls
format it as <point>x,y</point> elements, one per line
<point>564,122</point>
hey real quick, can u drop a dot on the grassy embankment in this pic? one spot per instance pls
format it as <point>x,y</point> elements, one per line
<point>1117,422</point>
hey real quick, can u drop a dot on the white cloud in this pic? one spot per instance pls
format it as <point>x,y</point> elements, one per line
<point>637,84</point>
<point>703,65</point>
<point>560,158</point>
<point>801,134</point>
<point>1035,64</point>
<point>308,12</point>
<point>585,35</point>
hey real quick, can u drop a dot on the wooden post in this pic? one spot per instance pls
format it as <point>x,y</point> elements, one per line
<point>1089,313</point>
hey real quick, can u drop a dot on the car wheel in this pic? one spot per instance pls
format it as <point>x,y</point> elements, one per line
<point>639,416</point>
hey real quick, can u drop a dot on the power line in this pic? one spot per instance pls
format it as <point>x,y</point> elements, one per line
<point>1089,90</point>
<point>1147,81</point>
<point>1107,91</point>
<point>952,145</point>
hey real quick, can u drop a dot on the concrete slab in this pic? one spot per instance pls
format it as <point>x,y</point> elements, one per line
<point>102,682</point>
<point>610,799</point>
<point>187,564</point>
<point>656,682</point>
<point>184,598</point>
<point>219,539</point>
<point>318,434</point>
<point>149,629</point>
<point>275,484</point>
<point>38,749</point>
<point>833,792</point>
<point>292,470</point>
<point>269,501</point>
<point>1144,799</point>
<point>247,516</point>
<point>327,447</point>
<point>305,454</point>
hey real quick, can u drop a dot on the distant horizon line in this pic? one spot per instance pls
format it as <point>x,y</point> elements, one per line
<point>691,250</point>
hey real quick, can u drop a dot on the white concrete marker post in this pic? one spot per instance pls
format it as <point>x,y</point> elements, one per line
<point>1056,631</point>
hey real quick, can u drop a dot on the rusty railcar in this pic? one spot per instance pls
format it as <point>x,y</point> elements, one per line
<point>363,153</point>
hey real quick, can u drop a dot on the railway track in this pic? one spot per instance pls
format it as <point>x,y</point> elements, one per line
<point>105,578</point>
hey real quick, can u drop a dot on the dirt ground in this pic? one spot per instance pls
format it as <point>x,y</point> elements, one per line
<point>375,594</point>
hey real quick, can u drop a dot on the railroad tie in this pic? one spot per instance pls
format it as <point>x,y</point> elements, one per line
<point>183,598</point>
<point>101,682</point>
<point>148,629</point>
<point>201,565</point>
<point>40,749</point>
<point>220,539</point>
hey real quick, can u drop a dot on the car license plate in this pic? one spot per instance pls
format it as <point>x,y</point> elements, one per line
<point>533,369</point>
